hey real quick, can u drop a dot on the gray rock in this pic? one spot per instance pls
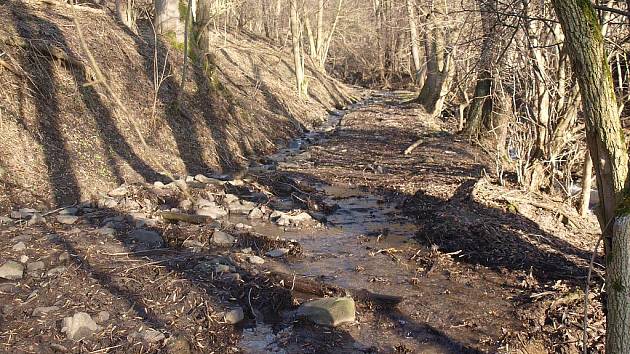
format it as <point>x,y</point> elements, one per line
<point>22,238</point>
<point>208,180</point>
<point>5,220</point>
<point>36,219</point>
<point>185,204</point>
<point>9,288</point>
<point>28,211</point>
<point>192,244</point>
<point>69,211</point>
<point>256,213</point>
<point>56,271</point>
<point>67,219</point>
<point>278,252</point>
<point>146,238</point>
<point>12,270</point>
<point>234,316</point>
<point>329,311</point>
<point>107,203</point>
<point>15,214</point>
<point>58,348</point>
<point>106,231</point>
<point>230,198</point>
<point>23,258</point>
<point>7,309</point>
<point>80,325</point>
<point>35,266</point>
<point>158,184</point>
<point>151,336</point>
<point>241,207</point>
<point>255,260</point>
<point>286,219</point>
<point>222,268</point>
<point>178,345</point>
<point>43,310</point>
<point>214,212</point>
<point>64,257</point>
<point>221,238</point>
<point>102,316</point>
<point>19,247</point>
<point>205,203</point>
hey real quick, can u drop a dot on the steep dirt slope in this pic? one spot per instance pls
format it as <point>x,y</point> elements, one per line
<point>62,139</point>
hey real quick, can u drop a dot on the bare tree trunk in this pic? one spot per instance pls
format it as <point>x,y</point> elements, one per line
<point>413,30</point>
<point>587,173</point>
<point>479,113</point>
<point>585,45</point>
<point>438,69</point>
<point>298,55</point>
<point>167,19</point>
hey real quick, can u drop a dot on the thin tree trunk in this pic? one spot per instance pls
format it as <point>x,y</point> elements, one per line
<point>298,56</point>
<point>413,30</point>
<point>585,45</point>
<point>479,114</point>
<point>587,173</point>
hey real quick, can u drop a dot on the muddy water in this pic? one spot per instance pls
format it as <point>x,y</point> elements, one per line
<point>363,245</point>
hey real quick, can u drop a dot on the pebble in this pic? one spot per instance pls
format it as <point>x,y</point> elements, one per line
<point>34,266</point>
<point>146,238</point>
<point>119,192</point>
<point>234,316</point>
<point>80,325</point>
<point>256,213</point>
<point>56,271</point>
<point>221,238</point>
<point>58,348</point>
<point>5,220</point>
<point>150,336</point>
<point>19,247</point>
<point>102,316</point>
<point>12,270</point>
<point>106,231</point>
<point>278,252</point>
<point>23,258</point>
<point>43,310</point>
<point>255,260</point>
<point>64,257</point>
<point>67,219</point>
<point>36,219</point>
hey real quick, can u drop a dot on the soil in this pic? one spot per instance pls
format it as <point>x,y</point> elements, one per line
<point>480,268</point>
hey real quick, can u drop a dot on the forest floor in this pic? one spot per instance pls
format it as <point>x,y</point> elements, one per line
<point>438,257</point>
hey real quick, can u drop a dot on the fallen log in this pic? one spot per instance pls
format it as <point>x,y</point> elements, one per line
<point>189,218</point>
<point>305,285</point>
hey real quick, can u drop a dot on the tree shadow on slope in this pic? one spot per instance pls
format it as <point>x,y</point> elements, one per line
<point>181,123</point>
<point>58,159</point>
<point>495,238</point>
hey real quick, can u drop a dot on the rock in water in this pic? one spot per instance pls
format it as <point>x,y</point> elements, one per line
<point>146,238</point>
<point>278,252</point>
<point>329,311</point>
<point>12,270</point>
<point>79,326</point>
<point>234,316</point>
<point>221,238</point>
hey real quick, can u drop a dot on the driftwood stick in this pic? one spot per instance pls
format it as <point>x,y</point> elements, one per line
<point>413,146</point>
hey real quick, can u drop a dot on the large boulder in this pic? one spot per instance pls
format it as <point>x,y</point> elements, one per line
<point>330,312</point>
